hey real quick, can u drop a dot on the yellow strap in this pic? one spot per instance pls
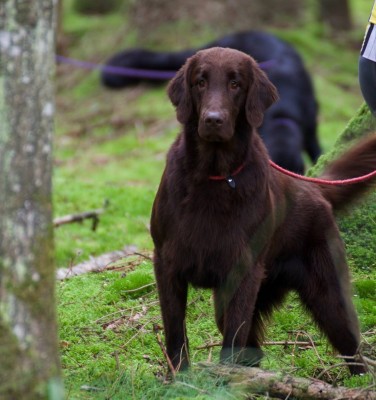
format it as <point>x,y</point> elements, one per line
<point>372,18</point>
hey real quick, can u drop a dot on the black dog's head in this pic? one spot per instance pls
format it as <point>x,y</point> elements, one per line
<point>215,87</point>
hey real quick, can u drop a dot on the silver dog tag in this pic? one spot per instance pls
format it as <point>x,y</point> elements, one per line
<point>230,180</point>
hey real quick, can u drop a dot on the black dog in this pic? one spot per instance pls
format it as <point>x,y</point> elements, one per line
<point>289,126</point>
<point>224,219</point>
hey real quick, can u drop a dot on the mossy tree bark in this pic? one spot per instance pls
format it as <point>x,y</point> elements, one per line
<point>362,124</point>
<point>29,366</point>
<point>357,224</point>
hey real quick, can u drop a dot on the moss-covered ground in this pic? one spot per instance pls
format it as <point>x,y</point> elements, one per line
<point>111,146</point>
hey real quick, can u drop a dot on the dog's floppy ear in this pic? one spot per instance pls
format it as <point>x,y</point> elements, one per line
<point>261,95</point>
<point>179,92</point>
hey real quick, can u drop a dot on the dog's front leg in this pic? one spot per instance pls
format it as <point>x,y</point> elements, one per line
<point>234,307</point>
<point>173,300</point>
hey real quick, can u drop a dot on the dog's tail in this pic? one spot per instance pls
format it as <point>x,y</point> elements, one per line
<point>356,162</point>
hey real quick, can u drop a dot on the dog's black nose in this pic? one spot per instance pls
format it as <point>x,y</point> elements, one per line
<point>213,119</point>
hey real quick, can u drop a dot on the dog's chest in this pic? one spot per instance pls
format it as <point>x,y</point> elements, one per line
<point>211,218</point>
<point>211,238</point>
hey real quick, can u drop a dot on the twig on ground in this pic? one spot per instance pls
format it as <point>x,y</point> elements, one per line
<point>313,346</point>
<point>124,311</point>
<point>289,343</point>
<point>139,288</point>
<point>144,255</point>
<point>192,387</point>
<point>80,217</point>
<point>164,351</point>
<point>368,361</point>
<point>343,364</point>
<point>362,358</point>
<point>129,320</point>
<point>141,329</point>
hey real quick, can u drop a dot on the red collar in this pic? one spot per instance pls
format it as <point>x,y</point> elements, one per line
<point>229,178</point>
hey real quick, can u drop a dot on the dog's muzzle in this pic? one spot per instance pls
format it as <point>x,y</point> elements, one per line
<point>214,127</point>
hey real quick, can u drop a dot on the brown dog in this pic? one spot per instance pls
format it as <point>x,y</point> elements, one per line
<point>224,219</point>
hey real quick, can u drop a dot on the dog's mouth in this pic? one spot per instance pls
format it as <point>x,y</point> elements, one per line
<point>213,137</point>
<point>221,134</point>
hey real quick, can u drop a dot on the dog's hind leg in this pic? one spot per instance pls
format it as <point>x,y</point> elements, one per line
<point>325,291</point>
<point>269,297</point>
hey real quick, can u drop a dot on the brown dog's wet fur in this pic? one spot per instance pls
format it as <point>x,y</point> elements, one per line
<point>254,243</point>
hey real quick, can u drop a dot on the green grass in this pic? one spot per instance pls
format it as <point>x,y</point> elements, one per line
<point>111,146</point>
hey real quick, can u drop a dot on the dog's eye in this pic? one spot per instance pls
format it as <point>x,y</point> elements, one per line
<point>201,83</point>
<point>234,84</point>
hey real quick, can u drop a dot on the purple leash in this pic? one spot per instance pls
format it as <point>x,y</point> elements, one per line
<point>133,72</point>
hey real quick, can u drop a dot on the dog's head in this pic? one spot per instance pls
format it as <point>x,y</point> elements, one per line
<point>218,86</point>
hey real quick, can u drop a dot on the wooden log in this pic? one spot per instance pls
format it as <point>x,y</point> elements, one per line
<point>282,386</point>
<point>95,264</point>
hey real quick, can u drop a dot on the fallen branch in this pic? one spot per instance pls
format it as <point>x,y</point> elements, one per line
<point>69,219</point>
<point>95,264</point>
<point>279,385</point>
<point>115,260</point>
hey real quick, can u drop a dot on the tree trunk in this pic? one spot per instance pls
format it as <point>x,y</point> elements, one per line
<point>29,366</point>
<point>335,13</point>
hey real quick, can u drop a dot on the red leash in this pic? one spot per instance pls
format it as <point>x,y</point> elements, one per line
<point>340,182</point>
